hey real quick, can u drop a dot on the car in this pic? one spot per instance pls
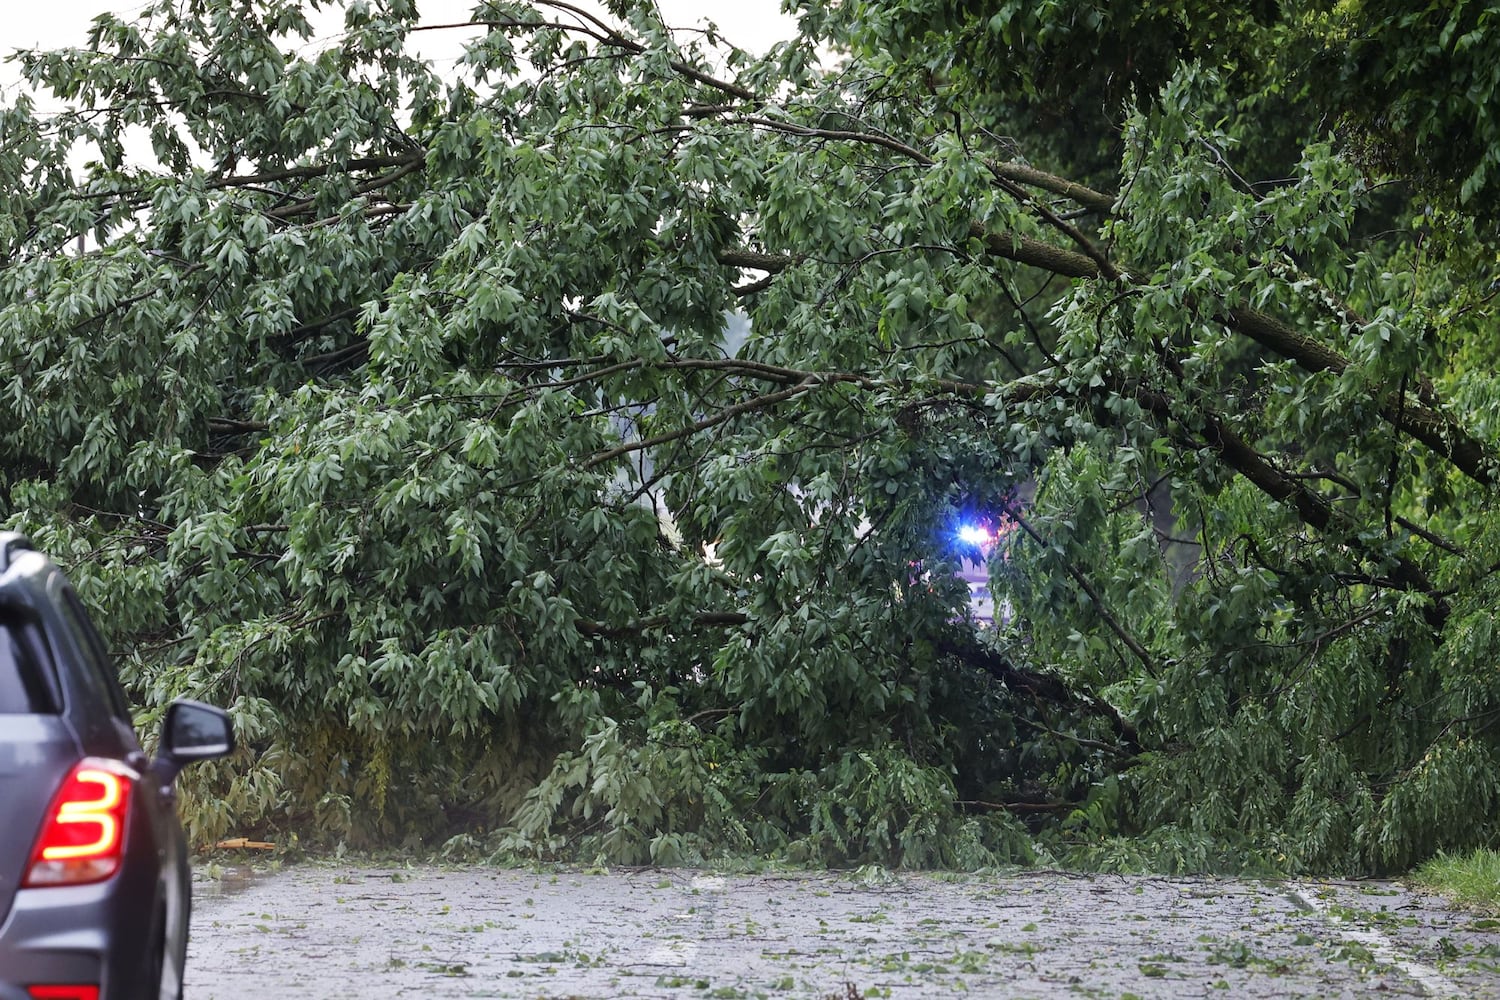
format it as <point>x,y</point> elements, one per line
<point>95,888</point>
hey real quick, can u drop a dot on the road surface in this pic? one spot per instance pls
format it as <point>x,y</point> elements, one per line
<point>320,931</point>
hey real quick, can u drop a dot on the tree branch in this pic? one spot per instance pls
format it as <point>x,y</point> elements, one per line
<point>1312,509</point>
<point>705,619</point>
<point>1432,428</point>
<point>318,170</point>
<point>965,646</point>
<point>1097,202</point>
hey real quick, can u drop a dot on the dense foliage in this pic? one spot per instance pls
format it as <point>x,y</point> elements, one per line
<point>559,452</point>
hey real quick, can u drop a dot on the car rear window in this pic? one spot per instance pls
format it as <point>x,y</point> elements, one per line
<point>99,672</point>
<point>23,684</point>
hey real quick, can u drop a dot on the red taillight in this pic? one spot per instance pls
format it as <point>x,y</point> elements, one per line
<point>61,991</point>
<point>83,839</point>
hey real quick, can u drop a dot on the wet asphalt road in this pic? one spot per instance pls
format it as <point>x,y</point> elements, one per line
<point>321,931</point>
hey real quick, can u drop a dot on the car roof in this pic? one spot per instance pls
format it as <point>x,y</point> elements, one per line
<point>12,542</point>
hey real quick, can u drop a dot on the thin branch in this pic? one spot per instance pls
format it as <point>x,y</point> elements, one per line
<point>754,286</point>
<point>706,619</point>
<point>729,413</point>
<point>298,333</point>
<point>1017,807</point>
<point>230,425</point>
<point>1079,578</point>
<point>1428,536</point>
<point>374,184</point>
<point>319,170</point>
<point>841,135</point>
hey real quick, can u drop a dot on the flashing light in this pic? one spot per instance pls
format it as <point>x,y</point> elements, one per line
<point>83,839</point>
<point>973,534</point>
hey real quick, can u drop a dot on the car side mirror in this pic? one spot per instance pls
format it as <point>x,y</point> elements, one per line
<point>195,731</point>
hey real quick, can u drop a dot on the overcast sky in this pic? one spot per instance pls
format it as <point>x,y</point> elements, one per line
<point>751,24</point>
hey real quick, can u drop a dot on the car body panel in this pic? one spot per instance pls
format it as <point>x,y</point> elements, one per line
<point>36,753</point>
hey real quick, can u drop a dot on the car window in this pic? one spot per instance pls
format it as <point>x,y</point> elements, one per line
<point>23,683</point>
<point>101,673</point>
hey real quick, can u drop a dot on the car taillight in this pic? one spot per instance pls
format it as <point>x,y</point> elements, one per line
<point>63,991</point>
<point>83,838</point>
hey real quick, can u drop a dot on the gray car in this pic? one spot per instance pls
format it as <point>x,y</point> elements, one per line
<point>94,880</point>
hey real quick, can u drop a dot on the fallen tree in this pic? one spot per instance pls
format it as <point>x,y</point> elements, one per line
<point>562,452</point>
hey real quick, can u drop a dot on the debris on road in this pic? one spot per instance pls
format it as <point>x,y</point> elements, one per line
<point>440,932</point>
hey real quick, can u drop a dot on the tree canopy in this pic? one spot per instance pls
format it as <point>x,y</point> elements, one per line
<point>560,453</point>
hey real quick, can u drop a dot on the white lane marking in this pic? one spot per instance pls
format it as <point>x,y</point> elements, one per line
<point>1383,948</point>
<point>678,953</point>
